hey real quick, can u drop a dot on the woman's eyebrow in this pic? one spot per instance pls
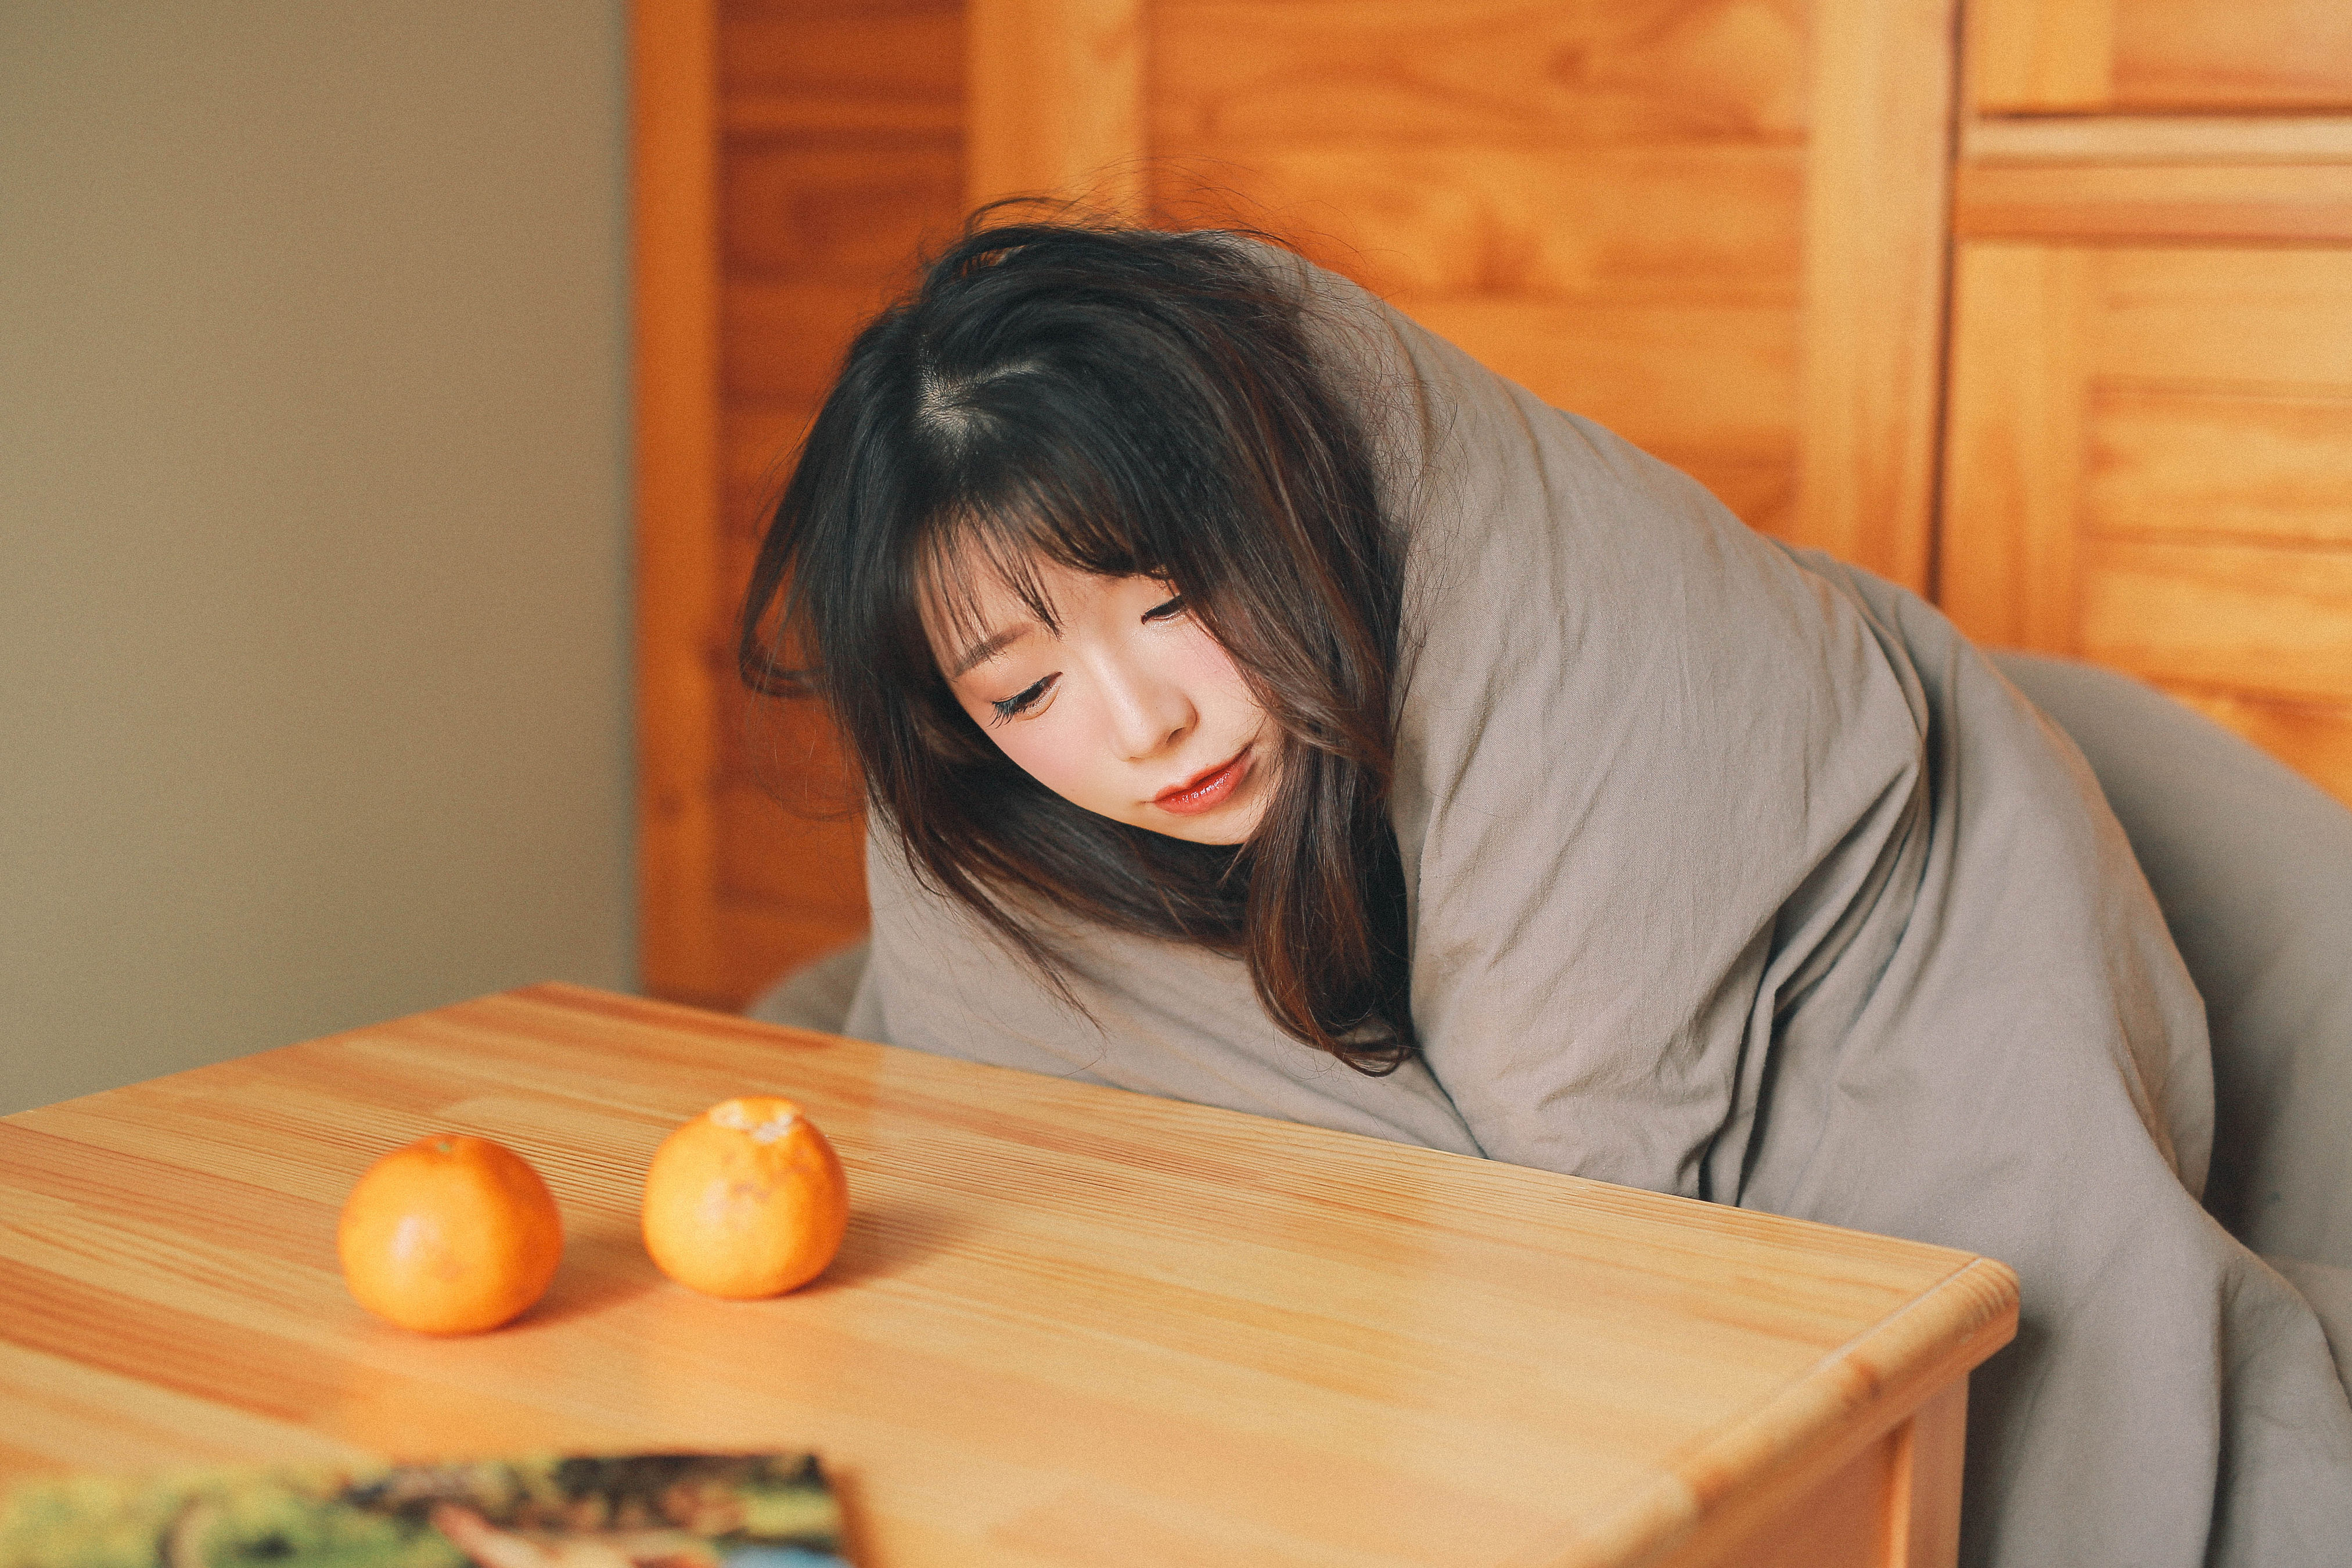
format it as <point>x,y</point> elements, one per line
<point>988,648</point>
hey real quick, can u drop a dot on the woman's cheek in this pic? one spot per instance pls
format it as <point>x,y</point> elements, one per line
<point>1204,665</point>
<point>1050,749</point>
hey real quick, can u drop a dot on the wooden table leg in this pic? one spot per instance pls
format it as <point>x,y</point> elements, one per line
<point>1923,1504</point>
<point>1897,1504</point>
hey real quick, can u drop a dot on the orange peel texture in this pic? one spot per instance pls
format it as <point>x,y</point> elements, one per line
<point>746,1199</point>
<point>451,1235</point>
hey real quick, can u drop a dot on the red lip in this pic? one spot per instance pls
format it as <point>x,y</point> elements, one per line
<point>1207,790</point>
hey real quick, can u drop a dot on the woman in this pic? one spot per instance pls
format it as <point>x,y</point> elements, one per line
<point>1262,704</point>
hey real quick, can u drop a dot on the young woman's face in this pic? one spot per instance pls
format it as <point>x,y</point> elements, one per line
<point>1130,709</point>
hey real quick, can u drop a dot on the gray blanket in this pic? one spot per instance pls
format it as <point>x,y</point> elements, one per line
<point>1738,873</point>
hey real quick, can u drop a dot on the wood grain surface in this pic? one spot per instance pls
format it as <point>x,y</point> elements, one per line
<point>2174,201</point>
<point>2158,139</point>
<point>674,284</point>
<point>2150,465</point>
<point>1877,250</point>
<point>1053,94</point>
<point>1475,73</point>
<point>1602,201</point>
<point>1618,203</point>
<point>2168,55</point>
<point>879,68</point>
<point>797,157</point>
<point>1068,1325</point>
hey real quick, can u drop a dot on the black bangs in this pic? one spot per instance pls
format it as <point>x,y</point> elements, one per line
<point>999,534</point>
<point>1066,416</point>
<point>1121,403</point>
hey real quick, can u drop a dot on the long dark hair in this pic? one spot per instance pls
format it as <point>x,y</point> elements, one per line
<point>1119,402</point>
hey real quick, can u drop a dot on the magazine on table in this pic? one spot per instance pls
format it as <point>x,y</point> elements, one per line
<point>579,1511</point>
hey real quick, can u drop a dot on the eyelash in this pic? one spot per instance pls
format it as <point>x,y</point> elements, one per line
<point>1020,702</point>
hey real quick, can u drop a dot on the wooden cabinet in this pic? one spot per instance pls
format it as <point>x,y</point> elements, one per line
<point>1605,208</point>
<point>792,155</point>
<point>1629,207</point>
<point>1715,226</point>
<point>2149,456</point>
<point>2042,306</point>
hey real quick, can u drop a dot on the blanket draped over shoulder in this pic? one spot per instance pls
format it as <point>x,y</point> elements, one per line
<point>1739,874</point>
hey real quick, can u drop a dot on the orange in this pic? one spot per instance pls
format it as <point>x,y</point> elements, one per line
<point>746,1199</point>
<point>450,1235</point>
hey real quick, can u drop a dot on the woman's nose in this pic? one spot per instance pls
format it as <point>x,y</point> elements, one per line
<point>1148,715</point>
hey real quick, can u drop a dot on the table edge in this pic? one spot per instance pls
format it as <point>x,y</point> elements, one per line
<point>1735,1481</point>
<point>1704,1497</point>
<point>1852,1397</point>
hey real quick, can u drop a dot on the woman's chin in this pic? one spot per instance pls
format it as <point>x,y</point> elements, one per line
<point>1196,831</point>
<point>1231,823</point>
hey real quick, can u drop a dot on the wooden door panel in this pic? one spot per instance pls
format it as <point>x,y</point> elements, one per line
<point>824,142</point>
<point>2268,317</point>
<point>2262,620</point>
<point>1603,202</point>
<point>762,941</point>
<point>1226,74</point>
<point>805,207</point>
<point>2142,202</point>
<point>889,67</point>
<point>784,341</point>
<point>1621,203</point>
<point>1717,377</point>
<point>756,447</point>
<point>750,820</point>
<point>1698,223</point>
<point>2230,54</point>
<point>2182,461</point>
<point>2150,465</point>
<point>2013,445</point>
<point>2040,56</point>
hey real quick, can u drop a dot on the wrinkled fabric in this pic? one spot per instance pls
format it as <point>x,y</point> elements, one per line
<point>1738,874</point>
<point>2251,865</point>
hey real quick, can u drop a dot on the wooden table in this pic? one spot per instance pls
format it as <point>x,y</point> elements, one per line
<point>1069,1325</point>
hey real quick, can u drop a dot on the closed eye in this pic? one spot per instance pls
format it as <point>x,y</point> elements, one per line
<point>1020,702</point>
<point>1166,612</point>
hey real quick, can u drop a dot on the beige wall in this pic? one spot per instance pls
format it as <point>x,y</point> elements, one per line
<point>313,532</point>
